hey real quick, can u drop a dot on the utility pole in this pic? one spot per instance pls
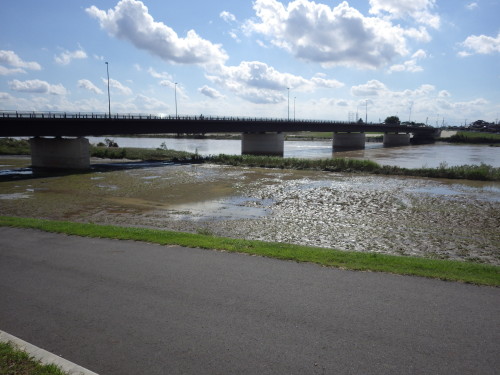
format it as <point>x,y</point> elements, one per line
<point>294,99</point>
<point>411,106</point>
<point>109,97</point>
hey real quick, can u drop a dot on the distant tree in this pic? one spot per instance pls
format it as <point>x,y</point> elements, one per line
<point>360,121</point>
<point>392,120</point>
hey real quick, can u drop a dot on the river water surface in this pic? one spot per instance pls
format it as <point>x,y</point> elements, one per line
<point>431,155</point>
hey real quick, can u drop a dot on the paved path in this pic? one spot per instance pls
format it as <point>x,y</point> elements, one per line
<point>118,307</point>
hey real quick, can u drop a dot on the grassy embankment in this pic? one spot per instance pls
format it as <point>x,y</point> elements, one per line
<point>17,362</point>
<point>480,274</point>
<point>474,137</point>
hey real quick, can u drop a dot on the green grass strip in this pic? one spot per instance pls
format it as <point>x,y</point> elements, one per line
<point>17,362</point>
<point>474,273</point>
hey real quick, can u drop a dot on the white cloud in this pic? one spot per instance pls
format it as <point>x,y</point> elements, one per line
<point>326,83</point>
<point>329,36</point>
<point>65,57</point>
<point>472,6</point>
<point>7,71</point>
<point>210,92</point>
<point>371,88</point>
<point>444,94</point>
<point>162,75</point>
<point>37,86</point>
<point>12,59</point>
<point>419,10</point>
<point>122,89</point>
<point>257,82</point>
<point>410,65</point>
<point>130,20</point>
<point>87,85</point>
<point>480,44</point>
<point>228,17</point>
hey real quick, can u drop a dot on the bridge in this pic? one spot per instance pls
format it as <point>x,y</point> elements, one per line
<point>259,135</point>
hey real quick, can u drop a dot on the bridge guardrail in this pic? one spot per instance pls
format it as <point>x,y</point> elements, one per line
<point>143,116</point>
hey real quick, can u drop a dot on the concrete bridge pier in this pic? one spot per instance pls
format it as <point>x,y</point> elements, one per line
<point>60,153</point>
<point>396,139</point>
<point>263,144</point>
<point>351,141</point>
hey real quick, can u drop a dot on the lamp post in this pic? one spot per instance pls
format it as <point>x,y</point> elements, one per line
<point>294,98</point>
<point>288,88</point>
<point>109,96</point>
<point>175,96</point>
<point>366,112</point>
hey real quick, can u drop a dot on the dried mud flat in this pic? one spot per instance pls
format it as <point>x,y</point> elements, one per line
<point>405,216</point>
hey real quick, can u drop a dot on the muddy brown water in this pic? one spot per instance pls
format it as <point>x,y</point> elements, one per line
<point>446,219</point>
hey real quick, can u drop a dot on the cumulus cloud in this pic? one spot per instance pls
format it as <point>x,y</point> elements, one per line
<point>258,82</point>
<point>410,65</point>
<point>419,10</point>
<point>130,20</point>
<point>37,86</point>
<point>228,17</point>
<point>472,6</point>
<point>210,92</point>
<point>371,88</point>
<point>65,57</point>
<point>87,85</point>
<point>8,71</point>
<point>121,88</point>
<point>162,75</point>
<point>480,44</point>
<point>18,64</point>
<point>330,36</point>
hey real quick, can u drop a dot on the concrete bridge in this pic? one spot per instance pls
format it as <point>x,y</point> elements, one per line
<point>67,146</point>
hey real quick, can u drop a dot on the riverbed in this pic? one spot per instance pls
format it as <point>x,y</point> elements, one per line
<point>444,219</point>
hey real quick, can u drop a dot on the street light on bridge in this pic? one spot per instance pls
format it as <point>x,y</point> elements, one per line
<point>109,97</point>
<point>175,97</point>
<point>288,88</point>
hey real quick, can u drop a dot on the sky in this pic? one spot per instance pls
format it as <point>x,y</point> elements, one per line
<point>430,61</point>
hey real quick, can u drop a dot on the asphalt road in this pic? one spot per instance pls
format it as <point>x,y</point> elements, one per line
<point>119,307</point>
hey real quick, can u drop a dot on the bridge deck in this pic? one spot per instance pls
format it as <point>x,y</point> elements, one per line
<point>27,124</point>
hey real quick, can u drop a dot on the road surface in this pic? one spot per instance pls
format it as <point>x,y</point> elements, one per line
<point>122,307</point>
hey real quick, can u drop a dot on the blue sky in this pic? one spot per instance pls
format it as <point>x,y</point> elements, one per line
<point>429,61</point>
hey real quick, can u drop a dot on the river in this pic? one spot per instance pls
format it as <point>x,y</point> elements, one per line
<point>414,156</point>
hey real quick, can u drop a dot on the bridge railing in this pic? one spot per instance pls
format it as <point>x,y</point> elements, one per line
<point>143,116</point>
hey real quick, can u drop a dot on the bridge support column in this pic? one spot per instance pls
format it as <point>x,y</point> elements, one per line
<point>263,144</point>
<point>350,141</point>
<point>395,139</point>
<point>60,153</point>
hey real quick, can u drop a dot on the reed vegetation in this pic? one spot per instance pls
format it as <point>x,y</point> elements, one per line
<point>142,154</point>
<point>469,172</point>
<point>474,137</point>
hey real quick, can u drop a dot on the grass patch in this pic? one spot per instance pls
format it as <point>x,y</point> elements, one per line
<point>474,137</point>
<point>468,172</point>
<point>11,146</point>
<point>440,269</point>
<point>17,362</point>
